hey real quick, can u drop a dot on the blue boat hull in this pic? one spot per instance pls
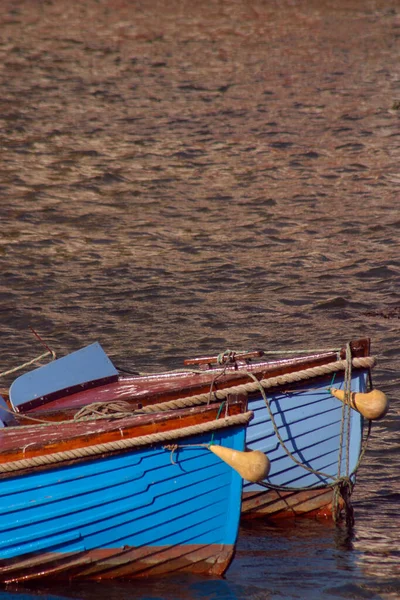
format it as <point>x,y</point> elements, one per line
<point>311,443</point>
<point>315,431</point>
<point>140,513</point>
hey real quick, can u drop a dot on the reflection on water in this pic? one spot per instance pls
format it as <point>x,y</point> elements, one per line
<point>315,560</point>
<point>380,553</point>
<point>167,588</point>
<point>178,178</point>
<point>377,537</point>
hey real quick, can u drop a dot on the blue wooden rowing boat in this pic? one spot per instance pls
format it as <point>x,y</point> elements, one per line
<point>313,443</point>
<point>122,497</point>
<point>312,439</point>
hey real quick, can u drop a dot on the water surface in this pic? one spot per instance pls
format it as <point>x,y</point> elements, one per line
<point>178,178</point>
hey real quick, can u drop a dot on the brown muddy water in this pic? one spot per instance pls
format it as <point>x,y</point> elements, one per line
<point>182,177</point>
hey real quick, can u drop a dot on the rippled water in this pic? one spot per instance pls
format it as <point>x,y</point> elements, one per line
<point>184,177</point>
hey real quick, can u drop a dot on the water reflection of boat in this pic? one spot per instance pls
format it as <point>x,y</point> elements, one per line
<point>311,438</point>
<point>183,586</point>
<point>376,542</point>
<point>121,497</point>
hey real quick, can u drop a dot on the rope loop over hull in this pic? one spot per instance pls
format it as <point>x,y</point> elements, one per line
<point>248,388</point>
<point>126,444</point>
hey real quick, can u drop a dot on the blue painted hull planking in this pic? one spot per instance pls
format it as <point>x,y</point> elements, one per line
<point>311,440</point>
<point>309,422</point>
<point>143,512</point>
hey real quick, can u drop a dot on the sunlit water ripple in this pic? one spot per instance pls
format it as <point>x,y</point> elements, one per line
<point>179,178</point>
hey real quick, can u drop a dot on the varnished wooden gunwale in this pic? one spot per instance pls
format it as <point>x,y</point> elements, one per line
<point>18,443</point>
<point>138,391</point>
<point>162,387</point>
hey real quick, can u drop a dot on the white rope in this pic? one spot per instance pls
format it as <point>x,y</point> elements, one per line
<point>247,388</point>
<point>107,447</point>
<point>29,363</point>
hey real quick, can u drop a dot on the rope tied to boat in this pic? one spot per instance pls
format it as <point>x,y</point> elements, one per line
<point>174,447</point>
<point>49,352</point>
<point>343,487</point>
<point>341,500</point>
<point>30,362</point>
<point>282,443</point>
<point>105,410</point>
<point>253,386</point>
<point>226,357</point>
<point>124,443</point>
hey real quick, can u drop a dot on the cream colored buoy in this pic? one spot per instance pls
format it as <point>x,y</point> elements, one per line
<point>372,405</point>
<point>252,465</point>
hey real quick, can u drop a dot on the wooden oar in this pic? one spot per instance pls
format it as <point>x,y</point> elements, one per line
<point>372,405</point>
<point>252,465</point>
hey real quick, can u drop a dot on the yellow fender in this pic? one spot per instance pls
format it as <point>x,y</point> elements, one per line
<point>252,465</point>
<point>372,405</point>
